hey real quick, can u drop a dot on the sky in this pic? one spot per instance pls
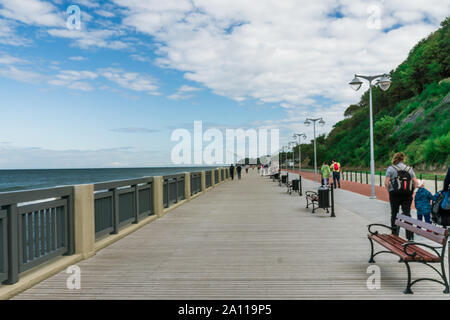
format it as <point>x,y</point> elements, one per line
<point>106,86</point>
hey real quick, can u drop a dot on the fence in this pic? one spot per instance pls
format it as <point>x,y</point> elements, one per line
<point>208,179</point>
<point>120,203</point>
<point>434,182</point>
<point>196,183</point>
<point>39,225</point>
<point>35,226</point>
<point>173,189</point>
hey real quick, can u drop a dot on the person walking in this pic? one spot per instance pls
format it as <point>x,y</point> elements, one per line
<point>422,202</point>
<point>325,170</point>
<point>336,169</point>
<point>400,183</point>
<point>239,169</point>
<point>232,172</point>
<point>246,168</point>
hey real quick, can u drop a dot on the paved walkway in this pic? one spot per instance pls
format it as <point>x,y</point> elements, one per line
<point>245,239</point>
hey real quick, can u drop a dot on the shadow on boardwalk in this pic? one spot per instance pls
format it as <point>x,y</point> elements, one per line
<point>245,239</point>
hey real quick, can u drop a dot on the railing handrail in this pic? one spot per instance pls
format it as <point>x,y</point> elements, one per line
<point>14,197</point>
<point>107,185</point>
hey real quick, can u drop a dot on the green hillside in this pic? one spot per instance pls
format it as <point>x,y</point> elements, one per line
<point>413,116</point>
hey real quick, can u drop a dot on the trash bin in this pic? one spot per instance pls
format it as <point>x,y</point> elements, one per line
<point>295,185</point>
<point>324,198</point>
<point>283,179</point>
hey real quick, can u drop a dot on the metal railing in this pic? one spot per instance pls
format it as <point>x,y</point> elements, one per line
<point>364,177</point>
<point>196,183</point>
<point>35,226</point>
<point>222,174</point>
<point>216,176</point>
<point>208,179</point>
<point>120,203</point>
<point>173,189</point>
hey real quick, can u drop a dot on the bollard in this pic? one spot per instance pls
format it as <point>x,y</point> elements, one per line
<point>300,186</point>
<point>332,201</point>
<point>381,180</point>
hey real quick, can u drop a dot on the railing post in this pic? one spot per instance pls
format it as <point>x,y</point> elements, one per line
<point>213,178</point>
<point>136,204</point>
<point>158,195</point>
<point>187,186</point>
<point>203,181</point>
<point>13,244</point>
<point>381,181</point>
<point>367,178</point>
<point>116,211</point>
<point>84,214</point>
<point>435,184</point>
<point>70,225</point>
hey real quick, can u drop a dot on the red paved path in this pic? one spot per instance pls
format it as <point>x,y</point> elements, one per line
<point>361,188</point>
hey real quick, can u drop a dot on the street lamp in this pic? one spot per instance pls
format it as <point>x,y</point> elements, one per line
<point>383,82</point>
<point>299,136</point>
<point>321,123</point>
<point>291,146</point>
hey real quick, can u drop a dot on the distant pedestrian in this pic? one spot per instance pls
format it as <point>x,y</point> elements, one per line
<point>232,172</point>
<point>400,183</point>
<point>422,201</point>
<point>336,169</point>
<point>239,169</point>
<point>246,168</point>
<point>325,170</point>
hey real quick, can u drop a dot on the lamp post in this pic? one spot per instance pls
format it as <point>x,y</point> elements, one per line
<point>383,82</point>
<point>299,136</point>
<point>293,143</point>
<point>322,123</point>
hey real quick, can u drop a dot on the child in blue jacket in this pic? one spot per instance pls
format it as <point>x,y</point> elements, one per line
<point>422,202</point>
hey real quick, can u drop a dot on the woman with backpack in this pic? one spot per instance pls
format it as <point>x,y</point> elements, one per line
<point>400,183</point>
<point>336,169</point>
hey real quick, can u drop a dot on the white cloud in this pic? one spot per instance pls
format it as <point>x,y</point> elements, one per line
<point>9,36</point>
<point>140,58</point>
<point>183,93</point>
<point>33,12</point>
<point>285,52</point>
<point>77,58</point>
<point>74,79</point>
<point>131,80</point>
<point>86,39</point>
<point>104,13</point>
<point>12,72</point>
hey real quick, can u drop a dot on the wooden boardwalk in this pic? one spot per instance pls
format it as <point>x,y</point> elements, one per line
<point>244,239</point>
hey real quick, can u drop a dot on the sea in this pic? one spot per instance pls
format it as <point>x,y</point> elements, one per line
<point>26,179</point>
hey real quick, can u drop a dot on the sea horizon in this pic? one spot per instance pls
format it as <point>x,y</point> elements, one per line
<point>26,179</point>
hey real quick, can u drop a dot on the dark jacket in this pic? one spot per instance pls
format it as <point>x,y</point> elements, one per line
<point>447,180</point>
<point>422,201</point>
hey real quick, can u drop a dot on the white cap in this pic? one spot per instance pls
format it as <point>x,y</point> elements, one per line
<point>421,183</point>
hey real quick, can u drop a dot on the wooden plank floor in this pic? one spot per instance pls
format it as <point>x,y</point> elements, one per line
<point>244,239</point>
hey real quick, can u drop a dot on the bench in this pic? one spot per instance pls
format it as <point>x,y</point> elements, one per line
<point>410,251</point>
<point>312,198</point>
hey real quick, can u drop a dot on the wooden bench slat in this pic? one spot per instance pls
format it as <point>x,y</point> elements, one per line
<point>411,249</point>
<point>436,229</point>
<point>394,243</point>
<point>424,233</point>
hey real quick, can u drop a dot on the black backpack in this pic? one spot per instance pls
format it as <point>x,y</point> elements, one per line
<point>402,184</point>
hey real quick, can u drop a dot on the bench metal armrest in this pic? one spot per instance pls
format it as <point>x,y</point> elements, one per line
<point>410,243</point>
<point>379,225</point>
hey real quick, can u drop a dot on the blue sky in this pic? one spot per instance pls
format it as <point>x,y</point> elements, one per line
<point>111,93</point>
